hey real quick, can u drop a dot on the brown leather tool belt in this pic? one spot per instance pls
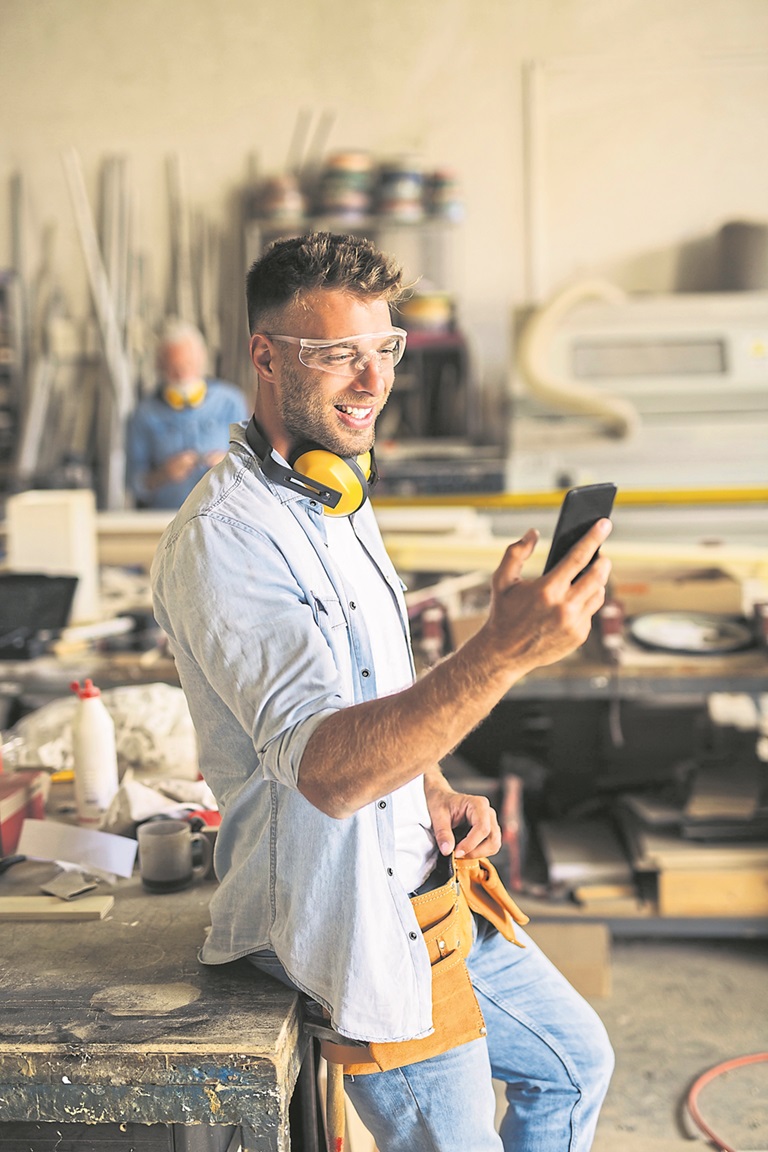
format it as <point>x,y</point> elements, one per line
<point>444,915</point>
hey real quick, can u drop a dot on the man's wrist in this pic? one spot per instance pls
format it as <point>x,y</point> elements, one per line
<point>434,780</point>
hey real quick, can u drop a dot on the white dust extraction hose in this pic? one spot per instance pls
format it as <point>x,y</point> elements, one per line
<point>619,417</point>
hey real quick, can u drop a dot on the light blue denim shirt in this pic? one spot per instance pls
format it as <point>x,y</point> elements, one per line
<point>268,644</point>
<point>157,431</point>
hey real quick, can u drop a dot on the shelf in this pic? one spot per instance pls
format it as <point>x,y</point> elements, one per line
<point>644,923</point>
<point>670,679</point>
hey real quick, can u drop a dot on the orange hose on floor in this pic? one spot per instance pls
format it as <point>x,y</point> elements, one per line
<point>706,1078</point>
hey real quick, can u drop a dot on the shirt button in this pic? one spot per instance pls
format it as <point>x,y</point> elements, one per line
<point>413,935</point>
<point>365,672</point>
<point>390,871</point>
<point>382,803</point>
<point>352,605</point>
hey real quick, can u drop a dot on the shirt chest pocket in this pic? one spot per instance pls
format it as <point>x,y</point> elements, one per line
<point>327,611</point>
<point>329,616</point>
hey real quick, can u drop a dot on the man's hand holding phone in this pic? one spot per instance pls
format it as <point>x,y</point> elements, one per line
<point>538,622</point>
<point>581,508</point>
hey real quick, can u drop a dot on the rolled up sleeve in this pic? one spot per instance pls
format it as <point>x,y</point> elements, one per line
<point>248,637</point>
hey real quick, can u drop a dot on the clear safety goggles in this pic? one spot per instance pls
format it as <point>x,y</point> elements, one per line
<point>350,355</point>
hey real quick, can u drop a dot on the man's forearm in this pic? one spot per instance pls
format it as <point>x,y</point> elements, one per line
<point>367,750</point>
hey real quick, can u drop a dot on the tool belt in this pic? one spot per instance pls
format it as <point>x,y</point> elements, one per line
<point>445,918</point>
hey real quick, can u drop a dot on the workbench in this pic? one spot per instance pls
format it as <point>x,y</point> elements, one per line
<point>114,1021</point>
<point>589,675</point>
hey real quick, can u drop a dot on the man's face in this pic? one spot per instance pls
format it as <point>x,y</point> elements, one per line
<point>182,362</point>
<point>338,412</point>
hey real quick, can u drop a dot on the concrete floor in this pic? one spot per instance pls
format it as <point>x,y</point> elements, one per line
<point>677,1008</point>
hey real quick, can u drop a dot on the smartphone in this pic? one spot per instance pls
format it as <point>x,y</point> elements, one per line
<point>581,508</point>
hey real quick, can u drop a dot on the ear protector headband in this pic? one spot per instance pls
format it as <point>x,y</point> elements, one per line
<point>179,398</point>
<point>341,484</point>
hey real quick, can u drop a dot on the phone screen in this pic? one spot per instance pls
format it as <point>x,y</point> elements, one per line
<point>581,508</point>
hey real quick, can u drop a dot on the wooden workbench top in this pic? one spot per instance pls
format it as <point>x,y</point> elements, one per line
<point>116,1020</point>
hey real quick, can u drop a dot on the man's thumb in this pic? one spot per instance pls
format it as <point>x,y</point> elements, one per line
<point>445,839</point>
<point>526,544</point>
<point>516,555</point>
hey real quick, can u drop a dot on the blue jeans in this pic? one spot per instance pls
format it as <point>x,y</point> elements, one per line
<point>545,1043</point>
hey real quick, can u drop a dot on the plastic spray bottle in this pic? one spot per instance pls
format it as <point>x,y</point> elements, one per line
<point>95,757</point>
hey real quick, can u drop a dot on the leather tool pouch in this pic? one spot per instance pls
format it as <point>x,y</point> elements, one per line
<point>445,918</point>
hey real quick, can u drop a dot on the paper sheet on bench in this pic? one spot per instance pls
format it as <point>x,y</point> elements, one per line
<point>102,851</point>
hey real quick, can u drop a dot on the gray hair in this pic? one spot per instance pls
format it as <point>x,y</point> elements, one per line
<point>175,331</point>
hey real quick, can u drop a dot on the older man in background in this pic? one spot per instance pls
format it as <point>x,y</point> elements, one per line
<point>177,434</point>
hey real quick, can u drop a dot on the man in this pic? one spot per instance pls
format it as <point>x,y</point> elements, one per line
<point>289,630</point>
<point>175,436</point>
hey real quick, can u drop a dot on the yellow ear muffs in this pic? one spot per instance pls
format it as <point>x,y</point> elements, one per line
<point>179,400</point>
<point>346,475</point>
<point>340,483</point>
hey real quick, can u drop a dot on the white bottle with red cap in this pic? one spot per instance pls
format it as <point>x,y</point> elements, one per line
<point>95,757</point>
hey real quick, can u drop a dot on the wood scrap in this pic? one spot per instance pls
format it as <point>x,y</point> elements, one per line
<point>582,851</point>
<point>611,900</point>
<point>52,908</point>
<point>654,851</point>
<point>586,893</point>
<point>714,892</point>
<point>725,791</point>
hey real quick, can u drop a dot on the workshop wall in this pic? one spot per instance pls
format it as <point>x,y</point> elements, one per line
<point>221,85</point>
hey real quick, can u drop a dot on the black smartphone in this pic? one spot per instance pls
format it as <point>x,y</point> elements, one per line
<point>581,508</point>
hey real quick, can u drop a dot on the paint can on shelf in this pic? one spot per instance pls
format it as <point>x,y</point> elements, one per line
<point>428,311</point>
<point>401,190</point>
<point>346,185</point>
<point>280,200</point>
<point>442,195</point>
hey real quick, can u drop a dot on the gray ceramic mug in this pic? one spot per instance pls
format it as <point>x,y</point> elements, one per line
<point>166,855</point>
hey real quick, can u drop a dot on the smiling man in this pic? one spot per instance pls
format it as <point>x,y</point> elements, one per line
<point>353,376</point>
<point>340,839</point>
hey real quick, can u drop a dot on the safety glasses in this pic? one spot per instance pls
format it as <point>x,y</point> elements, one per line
<point>350,355</point>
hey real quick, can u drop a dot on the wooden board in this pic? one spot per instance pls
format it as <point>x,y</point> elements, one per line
<point>606,900</point>
<point>583,851</point>
<point>714,892</point>
<point>656,850</point>
<point>52,908</point>
<point>582,952</point>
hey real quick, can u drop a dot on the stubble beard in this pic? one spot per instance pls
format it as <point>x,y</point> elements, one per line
<point>307,416</point>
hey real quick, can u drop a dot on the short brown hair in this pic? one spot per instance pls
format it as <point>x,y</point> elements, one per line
<point>290,268</point>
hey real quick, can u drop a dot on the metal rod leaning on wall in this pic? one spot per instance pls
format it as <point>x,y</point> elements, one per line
<point>311,163</point>
<point>115,211</point>
<point>115,235</point>
<point>19,263</point>
<point>118,368</point>
<point>208,247</point>
<point>298,144</point>
<point>183,304</point>
<point>40,368</point>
